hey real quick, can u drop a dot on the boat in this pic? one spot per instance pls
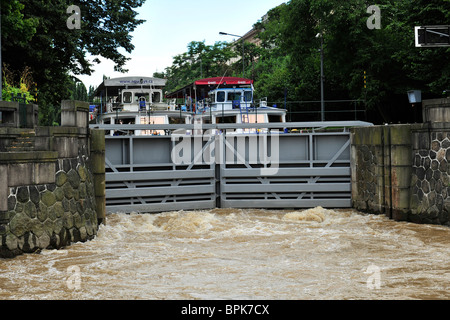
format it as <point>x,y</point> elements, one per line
<point>140,100</point>
<point>135,100</point>
<point>226,100</point>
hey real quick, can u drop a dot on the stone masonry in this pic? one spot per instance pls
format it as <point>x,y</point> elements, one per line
<point>51,215</point>
<point>52,190</point>
<point>403,171</point>
<point>430,182</point>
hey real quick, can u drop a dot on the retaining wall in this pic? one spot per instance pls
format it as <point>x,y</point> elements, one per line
<point>403,171</point>
<point>48,187</point>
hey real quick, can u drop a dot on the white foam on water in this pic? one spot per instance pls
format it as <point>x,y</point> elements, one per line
<point>315,253</point>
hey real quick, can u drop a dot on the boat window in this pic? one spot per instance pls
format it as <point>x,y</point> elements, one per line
<point>156,97</point>
<point>173,120</point>
<point>137,96</point>
<point>253,118</point>
<point>232,96</point>
<point>220,96</point>
<point>153,120</point>
<point>124,121</point>
<point>127,97</point>
<point>275,118</point>
<point>226,119</point>
<point>248,96</point>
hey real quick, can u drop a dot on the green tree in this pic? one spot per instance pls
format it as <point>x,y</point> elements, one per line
<point>78,91</point>
<point>21,85</point>
<point>271,64</point>
<point>54,51</point>
<point>16,29</point>
<point>200,61</point>
<point>392,64</point>
<point>91,94</point>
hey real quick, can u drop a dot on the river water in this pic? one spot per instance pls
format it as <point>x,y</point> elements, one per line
<point>241,254</point>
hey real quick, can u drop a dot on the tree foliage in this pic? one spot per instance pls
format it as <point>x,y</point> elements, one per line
<point>18,86</point>
<point>36,35</point>
<point>392,63</point>
<point>78,91</point>
<point>199,61</point>
<point>287,62</point>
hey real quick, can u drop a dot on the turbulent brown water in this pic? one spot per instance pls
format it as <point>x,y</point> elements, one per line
<point>241,254</point>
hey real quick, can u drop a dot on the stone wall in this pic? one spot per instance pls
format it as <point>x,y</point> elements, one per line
<point>403,171</point>
<point>47,197</point>
<point>381,169</point>
<point>430,182</point>
<point>18,115</point>
<point>51,215</point>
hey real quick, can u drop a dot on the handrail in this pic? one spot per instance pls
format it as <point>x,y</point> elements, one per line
<point>220,126</point>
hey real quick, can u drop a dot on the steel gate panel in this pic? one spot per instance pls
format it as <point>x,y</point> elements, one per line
<point>312,169</point>
<point>141,177</point>
<point>231,170</point>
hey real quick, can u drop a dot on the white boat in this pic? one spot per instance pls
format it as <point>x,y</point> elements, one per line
<point>226,100</point>
<point>140,100</point>
<point>135,100</point>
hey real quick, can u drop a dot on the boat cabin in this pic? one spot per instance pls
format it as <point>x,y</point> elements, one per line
<point>134,100</point>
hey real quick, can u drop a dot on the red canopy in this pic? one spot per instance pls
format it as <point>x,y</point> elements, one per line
<point>228,81</point>
<point>224,80</point>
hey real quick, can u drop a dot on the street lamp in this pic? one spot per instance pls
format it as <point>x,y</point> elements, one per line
<point>234,35</point>
<point>322,100</point>
<point>415,96</point>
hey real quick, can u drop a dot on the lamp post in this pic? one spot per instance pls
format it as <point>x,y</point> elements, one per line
<point>322,99</point>
<point>234,35</point>
<point>415,96</point>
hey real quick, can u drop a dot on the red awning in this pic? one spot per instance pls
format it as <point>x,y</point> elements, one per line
<point>224,80</point>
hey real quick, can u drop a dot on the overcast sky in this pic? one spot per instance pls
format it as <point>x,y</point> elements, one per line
<point>170,26</point>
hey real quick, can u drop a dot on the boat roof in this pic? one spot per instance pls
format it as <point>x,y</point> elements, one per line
<point>209,84</point>
<point>136,82</point>
<point>223,81</point>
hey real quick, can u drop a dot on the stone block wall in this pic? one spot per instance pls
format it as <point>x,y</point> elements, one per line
<point>11,115</point>
<point>47,194</point>
<point>367,155</point>
<point>403,171</point>
<point>430,182</point>
<point>50,215</point>
<point>381,169</point>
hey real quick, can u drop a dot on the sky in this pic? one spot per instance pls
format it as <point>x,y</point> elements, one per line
<point>170,26</point>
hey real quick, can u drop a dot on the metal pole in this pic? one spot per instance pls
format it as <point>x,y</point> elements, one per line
<point>242,37</point>
<point>322,100</point>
